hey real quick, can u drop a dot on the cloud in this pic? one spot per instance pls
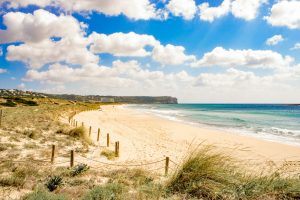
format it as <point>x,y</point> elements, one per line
<point>122,44</point>
<point>274,40</point>
<point>133,9</point>
<point>285,13</point>
<point>185,8</point>
<point>40,25</point>
<point>25,3</point>
<point>244,9</point>
<point>208,13</point>
<point>2,71</point>
<point>296,46</point>
<point>171,55</point>
<point>21,86</point>
<point>248,58</point>
<point>71,50</point>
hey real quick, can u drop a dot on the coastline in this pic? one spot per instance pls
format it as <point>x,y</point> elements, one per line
<point>145,136</point>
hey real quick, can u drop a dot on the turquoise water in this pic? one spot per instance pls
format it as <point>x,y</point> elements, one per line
<point>272,122</point>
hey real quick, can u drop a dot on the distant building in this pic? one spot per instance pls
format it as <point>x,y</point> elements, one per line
<point>107,100</point>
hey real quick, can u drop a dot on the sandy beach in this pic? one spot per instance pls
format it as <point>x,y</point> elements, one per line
<point>146,137</point>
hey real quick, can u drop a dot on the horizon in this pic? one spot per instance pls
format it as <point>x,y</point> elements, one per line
<point>199,51</point>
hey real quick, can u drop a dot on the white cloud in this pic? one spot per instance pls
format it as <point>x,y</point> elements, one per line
<point>2,71</point>
<point>296,46</point>
<point>133,9</point>
<point>285,13</point>
<point>244,9</point>
<point>249,58</point>
<point>274,40</point>
<point>185,8</point>
<point>208,13</point>
<point>70,49</point>
<point>122,44</point>
<point>21,86</point>
<point>25,3</point>
<point>171,55</point>
<point>38,26</point>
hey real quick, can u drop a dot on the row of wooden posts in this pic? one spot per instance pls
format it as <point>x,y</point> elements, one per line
<point>72,155</point>
<point>73,122</point>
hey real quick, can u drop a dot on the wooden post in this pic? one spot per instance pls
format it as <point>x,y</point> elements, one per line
<point>0,118</point>
<point>107,140</point>
<point>117,149</point>
<point>167,166</point>
<point>98,136</point>
<point>72,158</point>
<point>52,154</point>
<point>90,131</point>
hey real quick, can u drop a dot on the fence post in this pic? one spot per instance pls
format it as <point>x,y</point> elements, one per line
<point>98,136</point>
<point>72,158</point>
<point>90,131</point>
<point>167,166</point>
<point>52,154</point>
<point>107,140</point>
<point>117,149</point>
<point>0,118</point>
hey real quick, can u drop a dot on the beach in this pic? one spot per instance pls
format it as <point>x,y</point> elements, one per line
<point>146,137</point>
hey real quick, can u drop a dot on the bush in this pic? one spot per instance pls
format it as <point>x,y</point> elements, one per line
<point>79,169</point>
<point>109,191</point>
<point>9,103</point>
<point>43,195</point>
<point>53,183</point>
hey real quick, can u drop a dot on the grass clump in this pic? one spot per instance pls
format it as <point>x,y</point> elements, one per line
<point>109,154</point>
<point>53,183</point>
<point>110,191</point>
<point>42,194</point>
<point>80,133</point>
<point>79,169</point>
<point>207,174</point>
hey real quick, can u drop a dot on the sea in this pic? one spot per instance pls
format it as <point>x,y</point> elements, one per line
<point>272,122</point>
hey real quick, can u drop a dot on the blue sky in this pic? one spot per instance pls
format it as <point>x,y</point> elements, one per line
<point>199,51</point>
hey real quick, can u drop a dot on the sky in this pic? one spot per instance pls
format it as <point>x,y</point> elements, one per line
<point>200,51</point>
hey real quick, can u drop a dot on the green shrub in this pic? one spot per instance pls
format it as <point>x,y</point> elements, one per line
<point>41,194</point>
<point>79,169</point>
<point>109,191</point>
<point>53,183</point>
<point>9,103</point>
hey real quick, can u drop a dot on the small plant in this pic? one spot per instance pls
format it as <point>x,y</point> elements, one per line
<point>110,191</point>
<point>79,169</point>
<point>109,154</point>
<point>53,183</point>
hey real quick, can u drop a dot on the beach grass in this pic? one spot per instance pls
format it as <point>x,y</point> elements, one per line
<point>207,174</point>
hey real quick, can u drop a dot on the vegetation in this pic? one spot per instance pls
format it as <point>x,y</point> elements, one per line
<point>109,154</point>
<point>53,183</point>
<point>206,174</point>
<point>79,169</point>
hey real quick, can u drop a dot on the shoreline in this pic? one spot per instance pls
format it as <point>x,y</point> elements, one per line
<point>265,136</point>
<point>144,136</point>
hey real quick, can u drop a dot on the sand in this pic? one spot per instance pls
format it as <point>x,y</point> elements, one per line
<point>146,137</point>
